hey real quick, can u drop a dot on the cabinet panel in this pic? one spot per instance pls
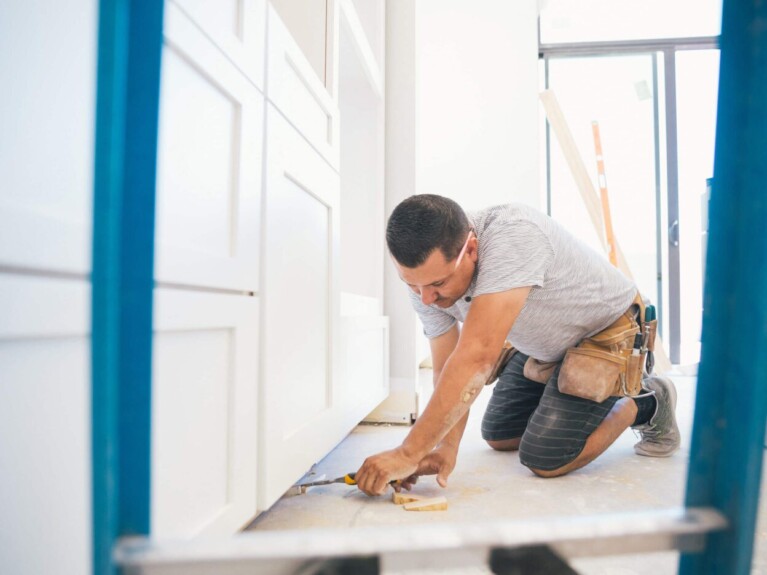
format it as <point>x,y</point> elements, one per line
<point>307,21</point>
<point>209,165</point>
<point>237,27</point>
<point>305,253</point>
<point>299,94</point>
<point>204,413</point>
<point>47,110</point>
<point>299,409</point>
<point>365,375</point>
<point>45,415</point>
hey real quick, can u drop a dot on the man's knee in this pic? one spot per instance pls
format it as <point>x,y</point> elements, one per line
<point>504,444</point>
<point>548,457</point>
<point>548,473</point>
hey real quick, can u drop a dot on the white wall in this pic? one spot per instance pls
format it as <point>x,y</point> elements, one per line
<point>462,121</point>
<point>400,176</point>
<point>477,101</point>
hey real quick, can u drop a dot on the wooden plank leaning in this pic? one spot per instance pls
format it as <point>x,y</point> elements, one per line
<point>591,199</point>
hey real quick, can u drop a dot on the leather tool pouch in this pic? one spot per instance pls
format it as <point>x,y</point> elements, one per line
<point>603,365</point>
<point>507,353</point>
<point>539,371</point>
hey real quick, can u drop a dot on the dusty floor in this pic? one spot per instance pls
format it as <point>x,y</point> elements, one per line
<point>493,485</point>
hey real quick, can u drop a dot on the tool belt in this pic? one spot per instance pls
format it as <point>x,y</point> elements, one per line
<point>507,353</point>
<point>609,363</point>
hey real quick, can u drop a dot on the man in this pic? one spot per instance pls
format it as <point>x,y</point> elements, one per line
<point>510,272</point>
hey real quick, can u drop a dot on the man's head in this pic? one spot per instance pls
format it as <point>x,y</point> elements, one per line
<point>433,247</point>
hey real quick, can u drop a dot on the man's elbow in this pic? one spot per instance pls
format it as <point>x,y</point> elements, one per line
<point>480,358</point>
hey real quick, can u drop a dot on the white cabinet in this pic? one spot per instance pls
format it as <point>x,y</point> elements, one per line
<point>295,89</point>
<point>48,62</point>
<point>299,408</point>
<point>45,430</point>
<point>237,27</point>
<point>364,381</point>
<point>323,370</point>
<point>47,111</point>
<point>359,87</point>
<point>307,21</point>
<point>205,351</point>
<point>209,161</point>
<point>205,370</point>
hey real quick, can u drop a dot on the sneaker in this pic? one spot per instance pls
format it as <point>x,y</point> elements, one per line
<point>660,435</point>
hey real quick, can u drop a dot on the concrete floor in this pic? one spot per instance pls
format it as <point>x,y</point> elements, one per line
<point>494,485</point>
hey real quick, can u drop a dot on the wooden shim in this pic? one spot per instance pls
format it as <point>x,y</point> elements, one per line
<point>402,498</point>
<point>433,504</point>
<point>591,199</point>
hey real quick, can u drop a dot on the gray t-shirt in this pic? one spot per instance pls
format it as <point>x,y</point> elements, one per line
<point>575,291</point>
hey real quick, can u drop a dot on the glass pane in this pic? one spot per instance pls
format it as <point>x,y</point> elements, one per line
<point>617,92</point>
<point>697,75</point>
<point>564,21</point>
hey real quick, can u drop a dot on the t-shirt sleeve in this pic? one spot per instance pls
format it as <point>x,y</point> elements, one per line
<point>435,321</point>
<point>513,254</point>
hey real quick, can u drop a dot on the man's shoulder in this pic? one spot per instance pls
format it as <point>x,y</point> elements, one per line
<point>496,217</point>
<point>511,223</point>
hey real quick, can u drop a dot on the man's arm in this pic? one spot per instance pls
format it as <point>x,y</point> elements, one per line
<point>441,349</point>
<point>489,320</point>
<point>442,459</point>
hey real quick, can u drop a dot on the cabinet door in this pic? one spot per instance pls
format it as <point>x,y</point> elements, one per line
<point>299,408</point>
<point>209,164</point>
<point>47,111</point>
<point>298,93</point>
<point>365,365</point>
<point>204,413</point>
<point>45,426</point>
<point>237,27</point>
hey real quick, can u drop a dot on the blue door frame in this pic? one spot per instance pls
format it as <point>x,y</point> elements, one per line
<point>127,104</point>
<point>731,406</point>
<point>728,433</point>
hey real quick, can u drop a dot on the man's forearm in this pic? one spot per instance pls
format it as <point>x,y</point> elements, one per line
<point>444,418</point>
<point>454,436</point>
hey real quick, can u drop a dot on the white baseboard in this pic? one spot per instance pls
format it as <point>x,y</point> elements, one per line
<point>399,408</point>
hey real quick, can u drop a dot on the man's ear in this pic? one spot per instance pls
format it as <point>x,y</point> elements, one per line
<point>473,248</point>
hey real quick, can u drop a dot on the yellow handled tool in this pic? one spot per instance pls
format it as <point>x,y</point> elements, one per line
<point>348,479</point>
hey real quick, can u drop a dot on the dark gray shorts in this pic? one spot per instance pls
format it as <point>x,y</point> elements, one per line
<point>553,426</point>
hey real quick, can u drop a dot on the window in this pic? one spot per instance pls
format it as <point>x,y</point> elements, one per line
<point>634,68</point>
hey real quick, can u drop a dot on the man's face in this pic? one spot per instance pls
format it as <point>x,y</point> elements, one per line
<point>441,281</point>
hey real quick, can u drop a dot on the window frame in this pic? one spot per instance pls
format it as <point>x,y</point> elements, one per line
<point>667,48</point>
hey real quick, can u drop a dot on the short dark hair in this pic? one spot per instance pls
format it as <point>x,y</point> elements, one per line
<point>422,223</point>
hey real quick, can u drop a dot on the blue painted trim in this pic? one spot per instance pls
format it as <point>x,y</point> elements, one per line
<point>731,407</point>
<point>110,122</point>
<point>127,102</point>
<point>138,218</point>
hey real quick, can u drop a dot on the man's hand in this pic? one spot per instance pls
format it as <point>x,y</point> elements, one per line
<point>439,462</point>
<point>378,470</point>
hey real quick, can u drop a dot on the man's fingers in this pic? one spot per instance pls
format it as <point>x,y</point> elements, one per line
<point>364,478</point>
<point>380,484</point>
<point>370,479</point>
